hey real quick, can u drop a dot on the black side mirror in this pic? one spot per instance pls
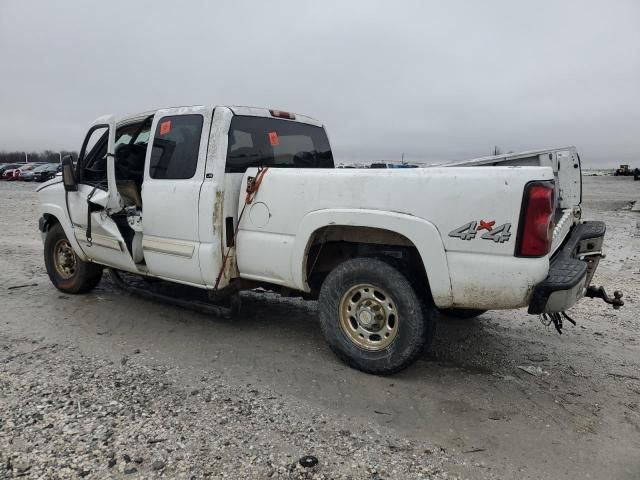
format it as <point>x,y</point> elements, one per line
<point>68,177</point>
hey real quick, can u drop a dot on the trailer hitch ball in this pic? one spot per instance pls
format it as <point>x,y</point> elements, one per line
<point>617,299</point>
<point>599,292</point>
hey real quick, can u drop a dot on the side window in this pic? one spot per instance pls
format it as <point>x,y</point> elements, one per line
<point>175,147</point>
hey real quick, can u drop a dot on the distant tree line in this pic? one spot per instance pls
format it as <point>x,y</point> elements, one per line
<point>48,156</point>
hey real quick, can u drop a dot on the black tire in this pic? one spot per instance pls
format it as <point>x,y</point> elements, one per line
<point>461,313</point>
<point>83,277</point>
<point>416,316</point>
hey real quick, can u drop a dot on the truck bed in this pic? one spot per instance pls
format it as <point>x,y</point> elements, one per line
<point>424,205</point>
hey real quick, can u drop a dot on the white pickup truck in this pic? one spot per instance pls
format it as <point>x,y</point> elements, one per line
<point>232,198</point>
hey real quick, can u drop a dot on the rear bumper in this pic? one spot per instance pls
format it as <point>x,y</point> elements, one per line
<point>570,270</point>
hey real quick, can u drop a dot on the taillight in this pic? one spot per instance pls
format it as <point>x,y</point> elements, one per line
<point>281,114</point>
<point>535,232</point>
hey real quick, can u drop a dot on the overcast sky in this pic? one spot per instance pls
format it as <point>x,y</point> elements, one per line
<point>436,80</point>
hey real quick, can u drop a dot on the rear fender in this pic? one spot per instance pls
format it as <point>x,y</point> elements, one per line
<point>423,234</point>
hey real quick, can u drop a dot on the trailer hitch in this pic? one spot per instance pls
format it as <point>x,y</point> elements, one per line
<point>592,292</point>
<point>599,292</point>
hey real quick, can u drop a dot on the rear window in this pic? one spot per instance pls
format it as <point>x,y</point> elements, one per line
<point>259,141</point>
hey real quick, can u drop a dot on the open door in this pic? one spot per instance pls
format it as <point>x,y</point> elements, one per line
<point>96,198</point>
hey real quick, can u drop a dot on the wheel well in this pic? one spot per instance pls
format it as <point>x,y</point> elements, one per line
<point>49,221</point>
<point>331,245</point>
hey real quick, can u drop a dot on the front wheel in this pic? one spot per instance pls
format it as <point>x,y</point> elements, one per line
<point>373,318</point>
<point>67,272</point>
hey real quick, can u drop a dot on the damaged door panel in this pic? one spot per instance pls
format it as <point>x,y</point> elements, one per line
<point>91,206</point>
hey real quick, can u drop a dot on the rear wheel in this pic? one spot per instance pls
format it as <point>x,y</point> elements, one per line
<point>372,316</point>
<point>462,313</point>
<point>67,272</point>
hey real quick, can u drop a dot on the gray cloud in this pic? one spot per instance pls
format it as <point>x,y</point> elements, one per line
<point>437,80</point>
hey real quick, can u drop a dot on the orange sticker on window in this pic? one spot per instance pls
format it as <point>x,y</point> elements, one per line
<point>273,139</point>
<point>165,127</point>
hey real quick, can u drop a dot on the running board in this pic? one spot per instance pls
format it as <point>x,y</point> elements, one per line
<point>195,305</point>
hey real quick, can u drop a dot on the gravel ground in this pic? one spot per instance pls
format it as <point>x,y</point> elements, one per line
<point>67,415</point>
<point>108,385</point>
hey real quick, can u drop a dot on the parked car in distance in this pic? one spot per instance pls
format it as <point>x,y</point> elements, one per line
<point>392,165</point>
<point>8,173</point>
<point>20,171</point>
<point>47,174</point>
<point>42,173</point>
<point>8,166</point>
<point>27,176</point>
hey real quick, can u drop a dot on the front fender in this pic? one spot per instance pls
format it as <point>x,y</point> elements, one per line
<point>423,234</point>
<point>61,215</point>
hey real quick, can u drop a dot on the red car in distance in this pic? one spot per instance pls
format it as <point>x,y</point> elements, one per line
<point>12,175</point>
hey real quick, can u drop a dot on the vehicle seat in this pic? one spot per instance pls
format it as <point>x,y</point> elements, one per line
<point>130,162</point>
<point>129,191</point>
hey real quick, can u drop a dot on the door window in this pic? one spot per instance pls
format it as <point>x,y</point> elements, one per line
<point>93,160</point>
<point>175,147</point>
<point>129,163</point>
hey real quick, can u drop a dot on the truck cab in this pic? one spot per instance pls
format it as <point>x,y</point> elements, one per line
<point>157,193</point>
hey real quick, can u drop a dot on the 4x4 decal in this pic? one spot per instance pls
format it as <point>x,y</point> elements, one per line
<point>468,231</point>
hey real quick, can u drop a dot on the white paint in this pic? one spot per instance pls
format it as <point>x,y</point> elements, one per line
<point>259,214</point>
<point>567,172</point>
<point>423,205</point>
<point>170,247</point>
<point>110,247</point>
<point>491,282</point>
<point>184,231</point>
<point>170,213</point>
<point>420,232</point>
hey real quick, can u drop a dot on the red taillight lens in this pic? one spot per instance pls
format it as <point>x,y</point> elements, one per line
<point>536,223</point>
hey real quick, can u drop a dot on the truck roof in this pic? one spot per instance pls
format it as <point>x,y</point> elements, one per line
<point>236,109</point>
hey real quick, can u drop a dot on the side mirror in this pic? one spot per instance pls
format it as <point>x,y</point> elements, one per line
<point>68,178</point>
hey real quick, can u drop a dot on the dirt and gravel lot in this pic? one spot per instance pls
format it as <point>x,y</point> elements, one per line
<point>109,385</point>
